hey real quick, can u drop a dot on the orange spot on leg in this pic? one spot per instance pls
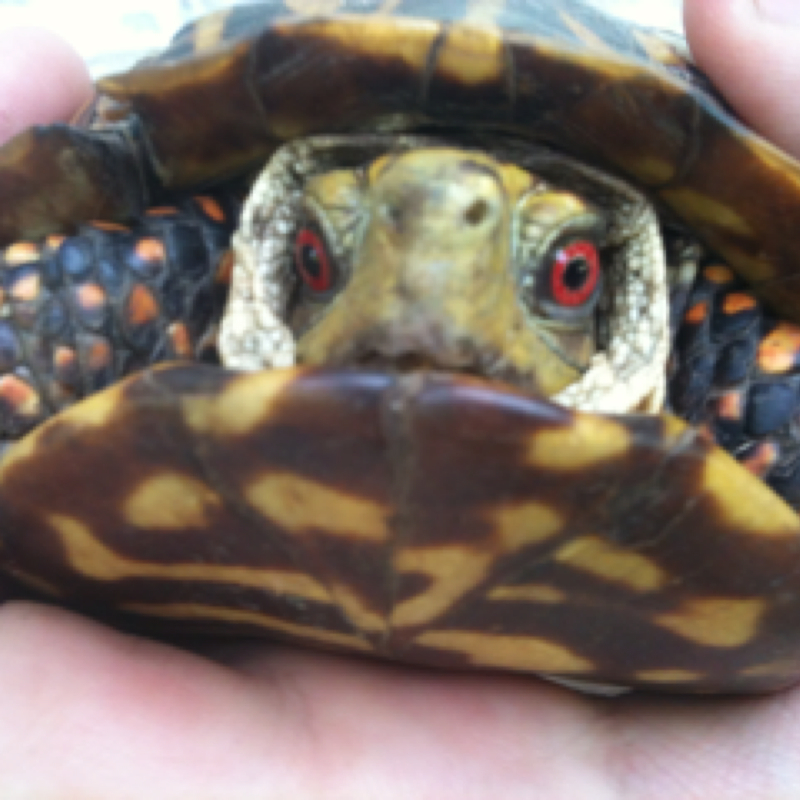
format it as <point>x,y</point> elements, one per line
<point>150,249</point>
<point>90,296</point>
<point>225,268</point>
<point>737,302</point>
<point>26,288</point>
<point>779,351</point>
<point>697,313</point>
<point>180,339</point>
<point>162,211</point>
<point>718,273</point>
<point>104,225</point>
<point>761,459</point>
<point>99,356</point>
<point>142,306</point>
<point>21,253</point>
<point>729,406</point>
<point>19,396</point>
<point>211,208</point>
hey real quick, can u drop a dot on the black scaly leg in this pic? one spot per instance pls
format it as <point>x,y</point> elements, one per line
<point>736,369</point>
<point>77,313</point>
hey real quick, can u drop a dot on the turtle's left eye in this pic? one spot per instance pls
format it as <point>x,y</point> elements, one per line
<point>313,262</point>
<point>574,275</point>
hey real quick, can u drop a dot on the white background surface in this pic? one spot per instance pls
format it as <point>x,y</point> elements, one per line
<point>110,34</point>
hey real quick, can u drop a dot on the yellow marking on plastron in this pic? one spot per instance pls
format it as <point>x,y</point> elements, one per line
<point>602,559</point>
<point>744,503</point>
<point>674,429</point>
<point>668,676</point>
<point>24,448</point>
<point>208,31</point>
<point>96,410</point>
<point>524,523</point>
<point>528,593</point>
<point>472,54</point>
<point>779,668</point>
<point>587,441</point>
<point>238,616</point>
<point>240,408</point>
<point>171,501</point>
<point>355,609</point>
<point>300,504</point>
<point>517,652</point>
<point>93,412</point>
<point>84,551</point>
<point>88,556</point>
<point>453,571</point>
<point>716,622</point>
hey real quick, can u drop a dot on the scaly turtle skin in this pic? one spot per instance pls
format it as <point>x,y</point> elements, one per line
<point>383,501</point>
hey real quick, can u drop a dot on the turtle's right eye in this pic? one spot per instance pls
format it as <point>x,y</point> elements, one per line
<point>313,263</point>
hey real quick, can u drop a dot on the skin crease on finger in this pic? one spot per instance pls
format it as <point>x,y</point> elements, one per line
<point>90,713</point>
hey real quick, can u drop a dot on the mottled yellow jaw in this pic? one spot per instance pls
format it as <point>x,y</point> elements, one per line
<point>425,256</point>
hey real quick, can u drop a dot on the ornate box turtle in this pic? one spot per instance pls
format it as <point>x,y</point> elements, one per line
<point>499,369</point>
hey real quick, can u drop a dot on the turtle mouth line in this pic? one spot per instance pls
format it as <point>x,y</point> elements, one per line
<point>408,362</point>
<point>413,363</point>
<point>415,366</point>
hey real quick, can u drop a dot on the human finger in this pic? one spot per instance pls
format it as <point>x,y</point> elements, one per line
<point>42,79</point>
<point>751,50</point>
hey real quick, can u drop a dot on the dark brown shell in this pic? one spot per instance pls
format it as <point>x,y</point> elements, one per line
<point>431,520</point>
<point>558,72</point>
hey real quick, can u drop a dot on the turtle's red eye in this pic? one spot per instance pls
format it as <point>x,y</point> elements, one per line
<point>575,274</point>
<point>312,261</point>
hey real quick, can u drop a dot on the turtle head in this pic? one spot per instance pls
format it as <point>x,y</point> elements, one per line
<point>445,273</point>
<point>441,258</point>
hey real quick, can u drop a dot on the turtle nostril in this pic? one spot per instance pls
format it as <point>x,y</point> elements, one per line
<point>476,212</point>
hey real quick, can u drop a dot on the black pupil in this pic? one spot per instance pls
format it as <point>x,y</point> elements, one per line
<point>576,274</point>
<point>310,261</point>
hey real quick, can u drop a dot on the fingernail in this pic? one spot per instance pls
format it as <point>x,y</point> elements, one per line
<point>783,11</point>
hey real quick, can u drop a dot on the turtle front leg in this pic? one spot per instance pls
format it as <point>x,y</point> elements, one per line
<point>78,313</point>
<point>735,369</point>
<point>53,175</point>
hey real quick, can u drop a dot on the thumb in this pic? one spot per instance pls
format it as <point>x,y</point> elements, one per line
<point>751,50</point>
<point>42,79</point>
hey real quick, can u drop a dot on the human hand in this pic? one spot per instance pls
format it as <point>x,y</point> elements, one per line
<point>88,712</point>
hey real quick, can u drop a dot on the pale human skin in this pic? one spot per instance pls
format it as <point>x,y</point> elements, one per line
<point>90,713</point>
